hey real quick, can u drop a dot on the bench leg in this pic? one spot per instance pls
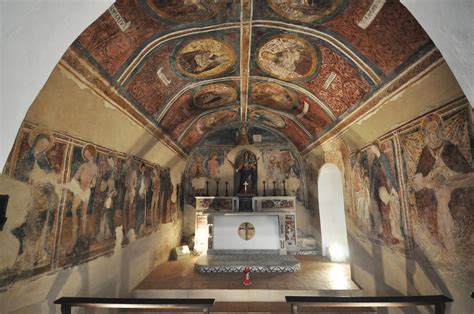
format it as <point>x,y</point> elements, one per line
<point>294,309</point>
<point>65,309</point>
<point>440,308</point>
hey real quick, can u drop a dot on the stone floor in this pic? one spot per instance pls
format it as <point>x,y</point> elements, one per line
<point>316,273</point>
<point>318,276</point>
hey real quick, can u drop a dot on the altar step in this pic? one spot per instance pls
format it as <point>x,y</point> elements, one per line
<point>233,263</point>
<point>307,245</point>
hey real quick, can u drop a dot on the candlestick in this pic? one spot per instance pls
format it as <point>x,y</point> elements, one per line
<point>217,188</point>
<point>274,188</point>
<point>264,189</point>
<point>226,191</point>
<point>284,188</point>
<point>207,188</point>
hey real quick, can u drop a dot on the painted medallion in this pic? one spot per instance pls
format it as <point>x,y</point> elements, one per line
<point>187,11</point>
<point>274,96</point>
<point>214,95</point>
<point>218,118</point>
<point>204,58</point>
<point>307,10</point>
<point>269,118</point>
<point>287,57</point>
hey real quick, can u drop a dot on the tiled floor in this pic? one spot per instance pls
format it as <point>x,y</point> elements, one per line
<point>316,273</point>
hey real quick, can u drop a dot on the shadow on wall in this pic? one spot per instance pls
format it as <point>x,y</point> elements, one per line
<point>384,271</point>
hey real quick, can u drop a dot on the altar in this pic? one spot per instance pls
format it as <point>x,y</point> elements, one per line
<point>269,228</point>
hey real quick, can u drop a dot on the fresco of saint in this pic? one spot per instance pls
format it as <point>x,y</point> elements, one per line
<point>187,10</point>
<point>441,169</point>
<point>213,164</point>
<point>384,191</point>
<point>203,58</point>
<point>80,185</point>
<point>274,96</point>
<point>306,10</point>
<point>214,95</point>
<point>269,118</point>
<point>287,57</point>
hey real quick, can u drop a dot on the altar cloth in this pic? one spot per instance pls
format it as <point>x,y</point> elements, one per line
<point>233,263</point>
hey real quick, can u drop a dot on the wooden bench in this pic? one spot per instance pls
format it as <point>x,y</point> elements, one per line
<point>123,303</point>
<point>439,302</point>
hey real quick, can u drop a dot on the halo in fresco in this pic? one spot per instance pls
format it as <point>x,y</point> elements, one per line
<point>274,96</point>
<point>287,57</point>
<point>204,58</point>
<point>185,10</point>
<point>218,118</point>
<point>269,118</point>
<point>307,10</point>
<point>214,95</point>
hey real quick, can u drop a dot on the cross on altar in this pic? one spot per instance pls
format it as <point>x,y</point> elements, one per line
<point>245,187</point>
<point>247,230</point>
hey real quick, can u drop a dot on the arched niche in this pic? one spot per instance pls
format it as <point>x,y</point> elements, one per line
<point>332,214</point>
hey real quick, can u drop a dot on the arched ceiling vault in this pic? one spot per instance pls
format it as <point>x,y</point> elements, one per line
<point>299,67</point>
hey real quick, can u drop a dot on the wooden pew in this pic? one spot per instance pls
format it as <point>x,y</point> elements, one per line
<point>135,303</point>
<point>439,302</point>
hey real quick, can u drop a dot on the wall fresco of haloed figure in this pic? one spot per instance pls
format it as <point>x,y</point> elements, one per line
<point>80,193</point>
<point>437,152</point>
<point>377,209</point>
<point>417,183</point>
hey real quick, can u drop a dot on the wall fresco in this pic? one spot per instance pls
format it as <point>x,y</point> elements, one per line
<point>377,205</point>
<point>419,189</point>
<point>79,194</point>
<point>437,152</point>
<point>268,160</point>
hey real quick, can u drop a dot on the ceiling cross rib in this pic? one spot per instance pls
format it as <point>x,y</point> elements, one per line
<point>245,47</point>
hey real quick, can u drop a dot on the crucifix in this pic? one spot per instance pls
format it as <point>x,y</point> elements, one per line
<point>245,187</point>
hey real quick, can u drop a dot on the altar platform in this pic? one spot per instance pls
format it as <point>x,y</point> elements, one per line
<point>318,276</point>
<point>233,263</point>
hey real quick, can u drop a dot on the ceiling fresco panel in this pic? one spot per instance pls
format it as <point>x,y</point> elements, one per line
<point>339,84</point>
<point>389,41</point>
<point>273,95</point>
<point>195,102</point>
<point>313,117</point>
<point>206,124</point>
<point>185,12</point>
<point>109,45</point>
<point>298,67</point>
<point>156,80</point>
<point>288,57</point>
<point>159,78</point>
<point>281,123</point>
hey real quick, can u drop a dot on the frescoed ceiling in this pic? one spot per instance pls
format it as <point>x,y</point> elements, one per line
<point>187,68</point>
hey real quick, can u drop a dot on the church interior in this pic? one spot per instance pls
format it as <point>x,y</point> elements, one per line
<point>243,150</point>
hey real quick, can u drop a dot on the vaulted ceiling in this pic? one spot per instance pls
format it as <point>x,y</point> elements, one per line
<point>302,68</point>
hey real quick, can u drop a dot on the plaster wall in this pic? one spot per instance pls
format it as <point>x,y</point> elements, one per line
<point>34,35</point>
<point>449,24</point>
<point>420,264</point>
<point>69,109</point>
<point>422,94</point>
<point>28,27</point>
<point>114,275</point>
